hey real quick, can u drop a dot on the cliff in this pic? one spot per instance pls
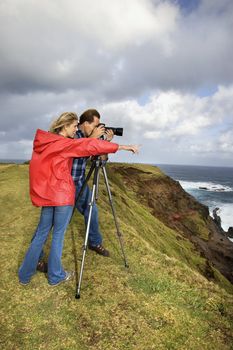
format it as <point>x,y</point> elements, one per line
<point>167,201</point>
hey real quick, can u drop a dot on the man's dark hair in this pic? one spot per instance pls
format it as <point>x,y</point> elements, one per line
<point>88,116</point>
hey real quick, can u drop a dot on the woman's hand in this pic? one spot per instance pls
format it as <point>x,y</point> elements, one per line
<point>133,148</point>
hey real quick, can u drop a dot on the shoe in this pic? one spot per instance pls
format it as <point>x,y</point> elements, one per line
<point>99,249</point>
<point>69,276</point>
<point>42,266</point>
<point>24,283</point>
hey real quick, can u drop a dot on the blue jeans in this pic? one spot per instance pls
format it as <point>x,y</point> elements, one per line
<point>59,218</point>
<point>82,205</point>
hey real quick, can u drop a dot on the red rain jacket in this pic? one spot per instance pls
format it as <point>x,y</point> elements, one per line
<point>51,183</point>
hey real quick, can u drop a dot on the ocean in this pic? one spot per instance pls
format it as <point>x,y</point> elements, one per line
<point>212,186</point>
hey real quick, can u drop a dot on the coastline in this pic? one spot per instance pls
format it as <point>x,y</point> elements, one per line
<point>210,186</point>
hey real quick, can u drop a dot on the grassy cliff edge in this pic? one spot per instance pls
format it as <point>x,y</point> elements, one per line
<point>170,297</point>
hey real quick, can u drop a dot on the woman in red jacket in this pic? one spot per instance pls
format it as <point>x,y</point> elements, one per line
<point>52,188</point>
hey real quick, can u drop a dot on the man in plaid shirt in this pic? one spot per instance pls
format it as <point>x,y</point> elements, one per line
<point>88,127</point>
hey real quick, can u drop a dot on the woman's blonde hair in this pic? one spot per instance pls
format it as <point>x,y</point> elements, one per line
<point>65,119</point>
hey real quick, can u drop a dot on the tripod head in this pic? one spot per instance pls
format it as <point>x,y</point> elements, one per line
<point>100,160</point>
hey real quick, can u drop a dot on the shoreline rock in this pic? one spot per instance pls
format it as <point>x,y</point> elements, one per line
<point>230,232</point>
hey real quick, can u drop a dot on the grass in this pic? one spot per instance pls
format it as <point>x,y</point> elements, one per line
<point>160,302</point>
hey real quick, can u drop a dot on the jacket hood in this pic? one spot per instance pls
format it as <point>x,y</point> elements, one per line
<point>43,139</point>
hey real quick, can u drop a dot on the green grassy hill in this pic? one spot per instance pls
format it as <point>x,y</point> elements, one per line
<point>162,301</point>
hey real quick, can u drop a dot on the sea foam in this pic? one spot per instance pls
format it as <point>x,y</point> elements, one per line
<point>205,186</point>
<point>197,189</point>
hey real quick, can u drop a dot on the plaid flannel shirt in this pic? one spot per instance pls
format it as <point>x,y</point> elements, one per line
<point>79,165</point>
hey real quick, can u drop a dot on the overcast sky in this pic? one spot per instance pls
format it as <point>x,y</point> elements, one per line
<point>162,70</point>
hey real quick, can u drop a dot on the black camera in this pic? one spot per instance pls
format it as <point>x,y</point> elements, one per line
<point>116,131</point>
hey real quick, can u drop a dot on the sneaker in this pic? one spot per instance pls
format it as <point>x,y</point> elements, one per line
<point>24,283</point>
<point>42,266</point>
<point>99,249</point>
<point>69,276</point>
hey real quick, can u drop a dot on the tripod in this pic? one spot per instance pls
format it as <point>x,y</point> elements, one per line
<point>96,165</point>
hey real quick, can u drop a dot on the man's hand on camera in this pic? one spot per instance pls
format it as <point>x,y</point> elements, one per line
<point>109,135</point>
<point>98,132</point>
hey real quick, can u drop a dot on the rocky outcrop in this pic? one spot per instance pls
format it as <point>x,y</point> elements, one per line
<point>217,219</point>
<point>230,232</point>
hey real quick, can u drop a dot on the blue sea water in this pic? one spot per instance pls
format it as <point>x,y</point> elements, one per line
<point>212,186</point>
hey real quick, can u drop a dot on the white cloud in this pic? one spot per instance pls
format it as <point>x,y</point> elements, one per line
<point>116,48</point>
<point>120,23</point>
<point>185,122</point>
<point>226,141</point>
<point>69,44</point>
<point>219,147</point>
<point>174,114</point>
<point>21,149</point>
<point>152,135</point>
<point>179,126</point>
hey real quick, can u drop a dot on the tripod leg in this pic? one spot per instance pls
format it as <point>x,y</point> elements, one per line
<point>114,215</point>
<point>86,180</point>
<point>84,185</point>
<point>97,186</point>
<point>77,296</point>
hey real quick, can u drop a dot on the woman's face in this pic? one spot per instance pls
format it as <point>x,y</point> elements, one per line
<point>70,130</point>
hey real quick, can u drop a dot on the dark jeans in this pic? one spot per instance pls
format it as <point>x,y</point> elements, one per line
<point>82,205</point>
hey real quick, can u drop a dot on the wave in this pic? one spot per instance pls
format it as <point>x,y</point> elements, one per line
<point>205,186</point>
<point>225,212</point>
<point>225,209</point>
